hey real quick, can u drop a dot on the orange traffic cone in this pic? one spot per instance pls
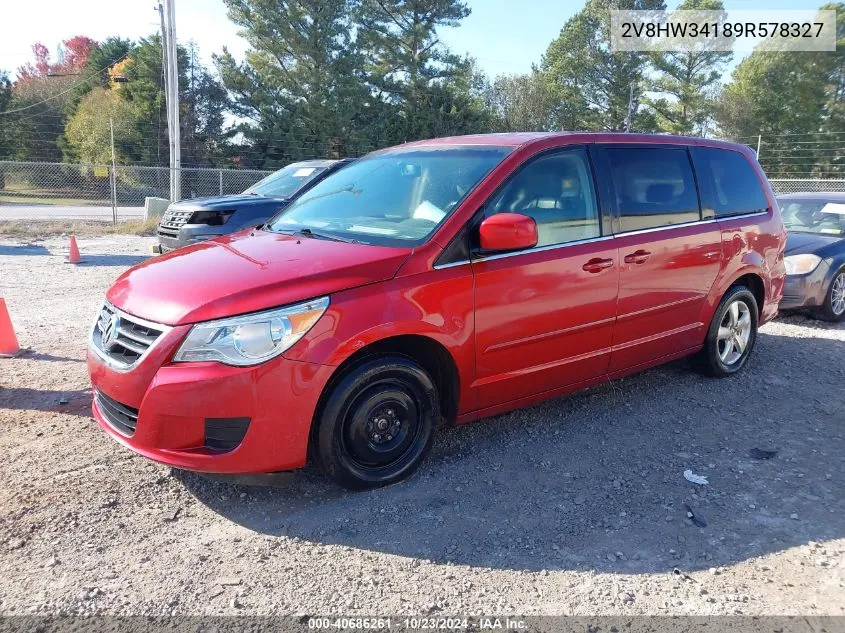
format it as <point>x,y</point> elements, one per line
<point>8,341</point>
<point>73,257</point>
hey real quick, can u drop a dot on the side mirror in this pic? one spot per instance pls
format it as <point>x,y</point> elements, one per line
<point>507,232</point>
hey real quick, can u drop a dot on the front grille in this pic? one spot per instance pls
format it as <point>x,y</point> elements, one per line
<point>121,418</point>
<point>129,339</point>
<point>173,220</point>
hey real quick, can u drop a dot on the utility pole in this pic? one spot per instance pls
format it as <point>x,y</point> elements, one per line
<point>113,176</point>
<point>630,116</point>
<point>166,80</point>
<point>171,77</point>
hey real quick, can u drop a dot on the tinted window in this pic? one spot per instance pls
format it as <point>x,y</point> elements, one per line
<point>729,183</point>
<point>557,191</point>
<point>654,187</point>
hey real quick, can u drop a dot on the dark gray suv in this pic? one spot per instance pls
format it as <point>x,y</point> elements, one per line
<point>199,219</point>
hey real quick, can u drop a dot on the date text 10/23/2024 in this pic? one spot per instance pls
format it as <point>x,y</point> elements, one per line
<point>418,623</point>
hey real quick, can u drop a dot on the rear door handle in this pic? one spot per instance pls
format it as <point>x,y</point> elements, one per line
<point>597,264</point>
<point>637,257</point>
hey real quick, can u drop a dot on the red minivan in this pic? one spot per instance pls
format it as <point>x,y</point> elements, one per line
<point>437,283</point>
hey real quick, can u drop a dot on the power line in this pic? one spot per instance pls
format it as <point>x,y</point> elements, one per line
<point>71,89</point>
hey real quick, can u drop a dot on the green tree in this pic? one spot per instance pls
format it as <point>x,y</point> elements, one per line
<point>5,101</point>
<point>833,162</point>
<point>410,68</point>
<point>590,84</point>
<point>202,105</point>
<point>94,72</point>
<point>301,83</point>
<point>38,109</point>
<point>88,131</point>
<point>5,130</point>
<point>793,100</point>
<point>522,103</point>
<point>687,82</point>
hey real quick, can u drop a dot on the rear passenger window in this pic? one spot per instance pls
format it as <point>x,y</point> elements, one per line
<point>557,191</point>
<point>654,187</point>
<point>729,184</point>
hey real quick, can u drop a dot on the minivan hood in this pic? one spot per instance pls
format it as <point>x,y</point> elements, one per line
<point>246,272</point>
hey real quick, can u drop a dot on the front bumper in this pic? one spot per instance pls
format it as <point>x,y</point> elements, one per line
<point>175,402</point>
<point>806,291</point>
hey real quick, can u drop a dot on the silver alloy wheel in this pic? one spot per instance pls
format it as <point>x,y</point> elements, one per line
<point>837,295</point>
<point>734,332</point>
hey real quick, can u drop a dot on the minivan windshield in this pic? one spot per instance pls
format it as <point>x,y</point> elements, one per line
<point>813,216</point>
<point>287,181</point>
<point>395,198</point>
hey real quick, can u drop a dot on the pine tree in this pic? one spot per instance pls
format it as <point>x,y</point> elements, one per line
<point>300,84</point>
<point>687,82</point>
<point>410,68</point>
<point>591,85</point>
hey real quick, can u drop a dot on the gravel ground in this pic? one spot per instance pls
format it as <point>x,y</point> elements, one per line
<point>575,506</point>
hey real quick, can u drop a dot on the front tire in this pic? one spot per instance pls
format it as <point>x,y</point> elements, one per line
<point>731,336</point>
<point>833,308</point>
<point>377,423</point>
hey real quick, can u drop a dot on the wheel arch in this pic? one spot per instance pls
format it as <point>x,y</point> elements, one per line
<point>754,282</point>
<point>750,276</point>
<point>431,354</point>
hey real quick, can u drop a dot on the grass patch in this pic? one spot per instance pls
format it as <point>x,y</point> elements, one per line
<point>47,228</point>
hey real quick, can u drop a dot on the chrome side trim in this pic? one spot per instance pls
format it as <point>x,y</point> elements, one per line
<point>658,229</point>
<point>541,249</point>
<point>725,218</point>
<point>694,223</point>
<point>112,364</point>
<point>550,247</point>
<point>451,265</point>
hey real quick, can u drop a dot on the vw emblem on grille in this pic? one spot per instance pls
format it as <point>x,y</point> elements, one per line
<point>108,336</point>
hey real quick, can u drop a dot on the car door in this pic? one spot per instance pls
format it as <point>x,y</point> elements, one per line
<point>669,257</point>
<point>544,316</point>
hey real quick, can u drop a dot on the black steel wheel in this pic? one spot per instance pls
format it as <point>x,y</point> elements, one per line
<point>377,422</point>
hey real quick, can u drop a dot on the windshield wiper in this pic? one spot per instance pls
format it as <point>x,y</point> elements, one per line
<point>306,232</point>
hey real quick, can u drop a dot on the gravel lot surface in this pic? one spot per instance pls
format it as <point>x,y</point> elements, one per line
<point>576,506</point>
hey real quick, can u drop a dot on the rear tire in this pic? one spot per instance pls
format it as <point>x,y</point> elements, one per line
<point>377,423</point>
<point>833,308</point>
<point>731,336</point>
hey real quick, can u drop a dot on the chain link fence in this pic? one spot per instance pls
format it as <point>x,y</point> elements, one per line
<point>34,188</point>
<point>85,191</point>
<point>793,185</point>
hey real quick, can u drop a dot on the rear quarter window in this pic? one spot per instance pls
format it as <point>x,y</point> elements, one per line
<point>729,184</point>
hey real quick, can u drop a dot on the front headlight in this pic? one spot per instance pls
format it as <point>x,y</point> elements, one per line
<point>801,264</point>
<point>253,338</point>
<point>210,218</point>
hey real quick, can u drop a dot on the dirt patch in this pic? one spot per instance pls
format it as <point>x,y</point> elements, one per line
<point>575,506</point>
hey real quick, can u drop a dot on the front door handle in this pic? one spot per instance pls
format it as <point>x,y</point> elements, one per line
<point>597,264</point>
<point>637,257</point>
